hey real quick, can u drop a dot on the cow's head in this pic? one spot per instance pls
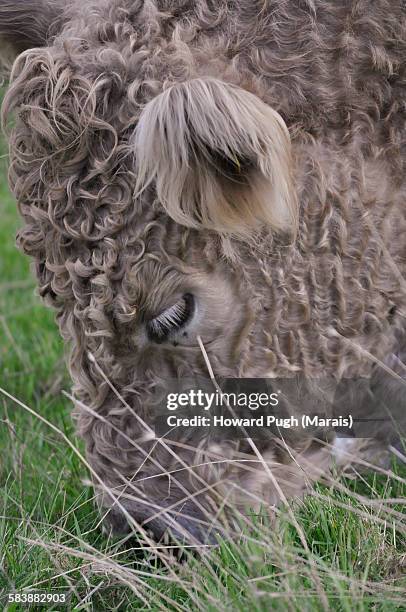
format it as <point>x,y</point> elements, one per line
<point>156,201</point>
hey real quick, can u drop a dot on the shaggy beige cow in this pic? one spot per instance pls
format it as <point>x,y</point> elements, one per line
<point>210,187</point>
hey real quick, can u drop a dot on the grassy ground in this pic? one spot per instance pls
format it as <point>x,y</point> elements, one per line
<point>343,549</point>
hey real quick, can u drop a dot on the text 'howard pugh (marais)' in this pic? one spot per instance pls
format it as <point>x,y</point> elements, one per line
<point>260,407</point>
<point>199,408</point>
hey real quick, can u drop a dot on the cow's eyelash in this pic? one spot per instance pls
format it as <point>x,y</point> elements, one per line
<point>171,319</point>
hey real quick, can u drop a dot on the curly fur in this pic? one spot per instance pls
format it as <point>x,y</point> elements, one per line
<point>112,246</point>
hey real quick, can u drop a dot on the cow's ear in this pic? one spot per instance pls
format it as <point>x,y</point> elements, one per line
<point>219,158</point>
<point>25,24</point>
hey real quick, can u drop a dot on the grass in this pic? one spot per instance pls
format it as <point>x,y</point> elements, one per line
<point>345,549</point>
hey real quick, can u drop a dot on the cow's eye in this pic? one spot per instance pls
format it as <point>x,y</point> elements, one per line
<point>172,319</point>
